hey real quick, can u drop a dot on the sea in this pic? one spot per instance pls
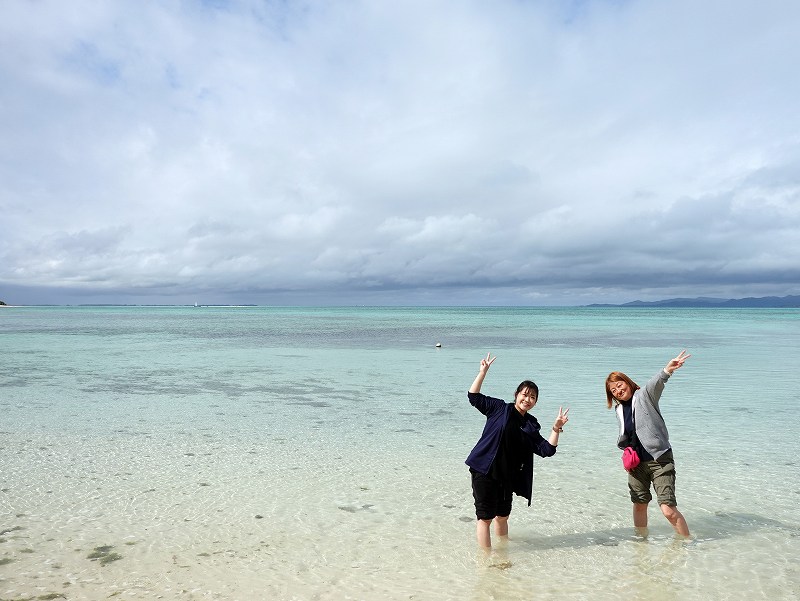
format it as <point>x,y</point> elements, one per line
<point>248,453</point>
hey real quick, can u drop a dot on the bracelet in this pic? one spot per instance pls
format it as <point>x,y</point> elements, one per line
<point>558,431</point>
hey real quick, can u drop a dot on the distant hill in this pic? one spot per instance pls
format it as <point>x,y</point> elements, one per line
<point>776,302</point>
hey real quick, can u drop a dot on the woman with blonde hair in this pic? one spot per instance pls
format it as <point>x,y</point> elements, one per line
<point>642,428</point>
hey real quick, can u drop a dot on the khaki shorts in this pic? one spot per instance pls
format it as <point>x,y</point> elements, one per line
<point>658,472</point>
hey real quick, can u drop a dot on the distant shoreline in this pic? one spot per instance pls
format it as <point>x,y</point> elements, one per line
<point>764,302</point>
<point>663,304</point>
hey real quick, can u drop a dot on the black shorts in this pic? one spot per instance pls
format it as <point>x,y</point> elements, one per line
<point>492,499</point>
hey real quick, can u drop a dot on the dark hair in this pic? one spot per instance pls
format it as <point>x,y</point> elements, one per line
<point>618,376</point>
<point>527,384</point>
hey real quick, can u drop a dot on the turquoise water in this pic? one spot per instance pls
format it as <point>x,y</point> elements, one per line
<point>254,452</point>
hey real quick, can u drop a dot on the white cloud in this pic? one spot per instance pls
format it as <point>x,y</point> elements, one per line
<point>249,146</point>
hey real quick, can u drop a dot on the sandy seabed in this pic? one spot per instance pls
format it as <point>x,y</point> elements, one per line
<point>135,517</point>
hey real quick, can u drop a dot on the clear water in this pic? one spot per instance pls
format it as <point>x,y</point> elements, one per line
<point>279,453</point>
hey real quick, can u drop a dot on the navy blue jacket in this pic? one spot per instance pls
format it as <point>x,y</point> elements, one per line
<point>482,456</point>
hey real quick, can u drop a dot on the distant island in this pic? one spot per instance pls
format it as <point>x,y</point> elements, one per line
<point>766,302</point>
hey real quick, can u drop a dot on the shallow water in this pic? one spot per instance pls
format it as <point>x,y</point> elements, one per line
<point>246,453</point>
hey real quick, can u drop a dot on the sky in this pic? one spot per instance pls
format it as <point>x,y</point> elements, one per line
<point>418,152</point>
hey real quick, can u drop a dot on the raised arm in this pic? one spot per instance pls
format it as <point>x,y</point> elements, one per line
<point>482,370</point>
<point>676,362</point>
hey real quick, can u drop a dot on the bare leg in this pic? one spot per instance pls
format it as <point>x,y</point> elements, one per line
<point>640,519</point>
<point>640,515</point>
<point>483,533</point>
<point>675,518</point>
<point>501,526</point>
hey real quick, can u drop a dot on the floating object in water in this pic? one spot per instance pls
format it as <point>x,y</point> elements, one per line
<point>438,345</point>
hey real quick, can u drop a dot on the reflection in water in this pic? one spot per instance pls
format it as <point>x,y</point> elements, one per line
<point>628,562</point>
<point>655,568</point>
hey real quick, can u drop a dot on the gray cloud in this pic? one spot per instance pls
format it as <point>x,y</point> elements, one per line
<point>509,152</point>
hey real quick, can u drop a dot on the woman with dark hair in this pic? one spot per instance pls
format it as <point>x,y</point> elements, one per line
<point>642,428</point>
<point>501,463</point>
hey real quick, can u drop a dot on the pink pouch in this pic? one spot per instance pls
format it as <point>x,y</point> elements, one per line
<point>630,458</point>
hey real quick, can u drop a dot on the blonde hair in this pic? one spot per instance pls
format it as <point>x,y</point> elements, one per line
<point>618,376</point>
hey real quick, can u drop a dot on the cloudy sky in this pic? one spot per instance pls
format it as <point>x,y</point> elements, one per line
<point>460,152</point>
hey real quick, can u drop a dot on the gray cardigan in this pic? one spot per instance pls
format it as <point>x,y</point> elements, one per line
<point>650,427</point>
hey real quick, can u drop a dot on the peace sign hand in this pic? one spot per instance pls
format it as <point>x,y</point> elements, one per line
<point>676,362</point>
<point>486,363</point>
<point>561,419</point>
